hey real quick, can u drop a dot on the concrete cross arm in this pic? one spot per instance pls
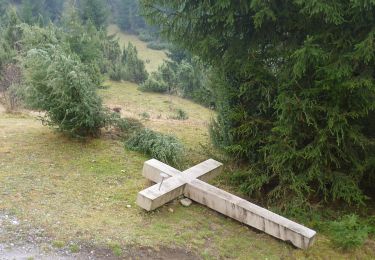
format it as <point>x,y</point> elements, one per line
<point>191,184</point>
<point>152,169</point>
<point>203,171</point>
<point>157,195</point>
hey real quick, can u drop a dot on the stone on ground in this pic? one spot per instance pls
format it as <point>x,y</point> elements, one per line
<point>186,202</point>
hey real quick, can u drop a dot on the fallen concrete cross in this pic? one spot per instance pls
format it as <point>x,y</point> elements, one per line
<point>172,183</point>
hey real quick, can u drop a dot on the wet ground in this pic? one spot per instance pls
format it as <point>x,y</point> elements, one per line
<point>20,241</point>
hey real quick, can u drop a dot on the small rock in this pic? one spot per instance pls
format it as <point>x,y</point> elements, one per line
<point>171,210</point>
<point>123,171</point>
<point>128,206</point>
<point>15,222</point>
<point>186,202</point>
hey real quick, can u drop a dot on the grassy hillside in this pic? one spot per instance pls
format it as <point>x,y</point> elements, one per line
<point>154,57</point>
<point>160,109</point>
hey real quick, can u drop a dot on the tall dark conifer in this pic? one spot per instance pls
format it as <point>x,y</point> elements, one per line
<point>296,88</point>
<point>95,11</point>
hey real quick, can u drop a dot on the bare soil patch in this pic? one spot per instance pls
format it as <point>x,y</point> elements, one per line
<point>19,240</point>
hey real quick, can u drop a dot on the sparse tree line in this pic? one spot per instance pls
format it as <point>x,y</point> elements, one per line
<point>183,75</point>
<point>186,76</point>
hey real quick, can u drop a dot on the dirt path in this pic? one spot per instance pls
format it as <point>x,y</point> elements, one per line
<point>19,240</point>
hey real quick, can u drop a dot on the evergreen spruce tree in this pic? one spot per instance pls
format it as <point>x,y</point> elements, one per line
<point>3,7</point>
<point>33,11</point>
<point>133,68</point>
<point>128,16</point>
<point>295,87</point>
<point>84,40</point>
<point>95,11</point>
<point>59,83</point>
<point>54,9</point>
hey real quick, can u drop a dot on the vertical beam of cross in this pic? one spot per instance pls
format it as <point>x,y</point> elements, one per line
<point>191,184</point>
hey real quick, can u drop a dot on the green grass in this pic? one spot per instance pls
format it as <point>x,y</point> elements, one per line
<point>193,132</point>
<point>58,244</point>
<point>155,57</point>
<point>80,190</point>
<point>74,248</point>
<point>116,249</point>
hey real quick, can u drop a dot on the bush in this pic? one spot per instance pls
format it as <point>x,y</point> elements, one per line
<point>127,126</point>
<point>112,56</point>
<point>156,45</point>
<point>9,86</point>
<point>133,68</point>
<point>145,115</point>
<point>59,84</point>
<point>145,36</point>
<point>348,233</point>
<point>116,72</point>
<point>180,115</point>
<point>165,148</point>
<point>153,84</point>
<point>371,224</point>
<point>186,78</point>
<point>11,98</point>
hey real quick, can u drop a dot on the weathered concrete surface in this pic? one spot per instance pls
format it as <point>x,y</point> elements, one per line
<point>152,169</point>
<point>153,197</point>
<point>203,171</point>
<point>250,214</point>
<point>156,196</point>
<point>191,184</point>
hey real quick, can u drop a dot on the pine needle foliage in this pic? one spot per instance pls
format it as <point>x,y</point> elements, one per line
<point>133,68</point>
<point>95,11</point>
<point>59,83</point>
<point>182,75</point>
<point>348,233</point>
<point>296,90</point>
<point>165,148</point>
<point>61,86</point>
